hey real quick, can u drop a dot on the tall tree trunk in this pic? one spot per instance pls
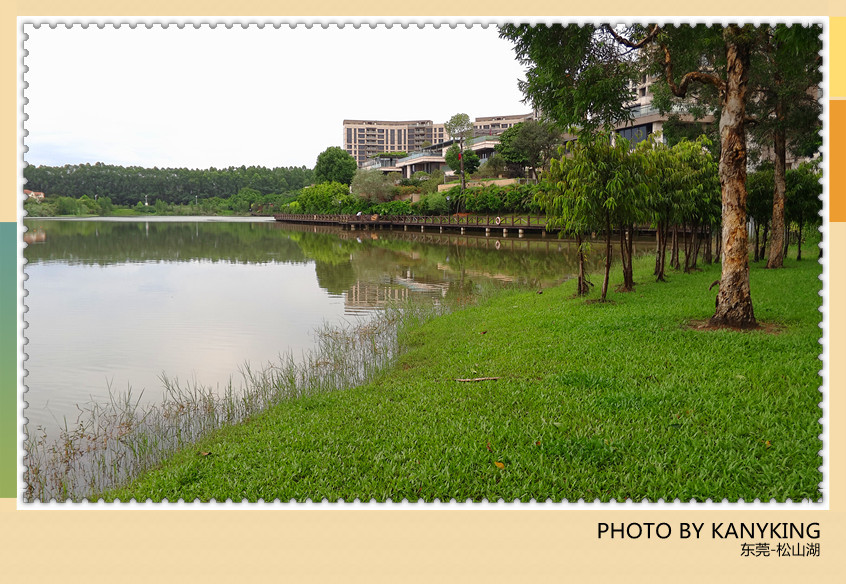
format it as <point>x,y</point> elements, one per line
<point>697,242</point>
<point>687,248</point>
<point>786,240</point>
<point>626,257</point>
<point>757,249</point>
<point>799,241</point>
<point>709,254</point>
<point>764,243</point>
<point>674,256</point>
<point>662,252</point>
<point>776,259</point>
<point>657,250</point>
<point>608,252</point>
<point>734,300</point>
<point>582,285</point>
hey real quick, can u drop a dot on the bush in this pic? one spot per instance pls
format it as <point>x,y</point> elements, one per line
<point>392,208</point>
<point>67,206</point>
<point>35,208</point>
<point>373,186</point>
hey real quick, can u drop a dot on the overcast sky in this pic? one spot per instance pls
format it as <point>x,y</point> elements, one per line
<point>267,97</point>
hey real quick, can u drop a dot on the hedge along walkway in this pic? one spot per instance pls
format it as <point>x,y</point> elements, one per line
<point>592,401</point>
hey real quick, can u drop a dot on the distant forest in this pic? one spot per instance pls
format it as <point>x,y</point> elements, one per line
<point>129,185</point>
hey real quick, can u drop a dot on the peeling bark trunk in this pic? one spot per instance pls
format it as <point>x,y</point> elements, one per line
<point>734,301</point>
<point>776,259</point>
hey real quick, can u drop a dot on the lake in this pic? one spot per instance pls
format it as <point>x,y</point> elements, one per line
<point>115,303</point>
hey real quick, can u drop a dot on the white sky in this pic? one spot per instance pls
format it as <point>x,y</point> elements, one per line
<point>270,97</point>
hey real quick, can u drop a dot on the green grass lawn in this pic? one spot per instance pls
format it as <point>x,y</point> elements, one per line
<point>594,401</point>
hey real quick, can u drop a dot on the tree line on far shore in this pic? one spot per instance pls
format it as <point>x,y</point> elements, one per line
<point>129,185</point>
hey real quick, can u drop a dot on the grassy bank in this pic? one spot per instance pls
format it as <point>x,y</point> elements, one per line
<point>593,401</point>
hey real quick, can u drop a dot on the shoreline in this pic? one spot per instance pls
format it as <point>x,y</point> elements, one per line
<point>573,412</point>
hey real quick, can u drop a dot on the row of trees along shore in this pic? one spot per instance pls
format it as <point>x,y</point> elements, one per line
<point>761,80</point>
<point>127,185</point>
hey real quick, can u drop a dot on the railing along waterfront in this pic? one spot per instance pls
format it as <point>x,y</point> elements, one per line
<point>520,222</point>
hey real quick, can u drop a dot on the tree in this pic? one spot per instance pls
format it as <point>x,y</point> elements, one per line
<point>803,198</point>
<point>575,74</point>
<point>468,162</point>
<point>335,165</point>
<point>493,167</point>
<point>759,205</point>
<point>598,186</point>
<point>786,108</point>
<point>460,128</point>
<point>373,186</point>
<point>529,144</point>
<point>580,75</point>
<point>322,197</point>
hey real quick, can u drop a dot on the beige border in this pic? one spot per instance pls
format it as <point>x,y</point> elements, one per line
<point>414,543</point>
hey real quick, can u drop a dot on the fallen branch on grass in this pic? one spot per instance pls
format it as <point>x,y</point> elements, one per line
<point>479,379</point>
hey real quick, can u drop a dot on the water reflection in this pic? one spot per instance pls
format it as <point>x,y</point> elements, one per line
<point>116,303</point>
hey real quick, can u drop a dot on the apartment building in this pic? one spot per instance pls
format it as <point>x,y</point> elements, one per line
<point>366,138</point>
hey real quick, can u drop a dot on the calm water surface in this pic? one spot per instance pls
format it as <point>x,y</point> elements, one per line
<point>117,303</point>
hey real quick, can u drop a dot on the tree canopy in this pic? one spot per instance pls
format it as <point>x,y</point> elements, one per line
<point>529,144</point>
<point>127,185</point>
<point>580,75</point>
<point>335,165</point>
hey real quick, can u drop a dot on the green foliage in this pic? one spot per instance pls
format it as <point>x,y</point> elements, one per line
<point>459,126</point>
<point>602,184</point>
<point>323,198</point>
<point>67,206</point>
<point>373,186</point>
<point>803,203</point>
<point>529,144</point>
<point>181,186</point>
<point>471,159</point>
<point>392,208</point>
<point>432,204</point>
<point>759,194</point>
<point>576,74</point>
<point>397,154</point>
<point>35,208</point>
<point>335,165</point>
<point>430,185</point>
<point>682,184</point>
<point>492,167</point>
